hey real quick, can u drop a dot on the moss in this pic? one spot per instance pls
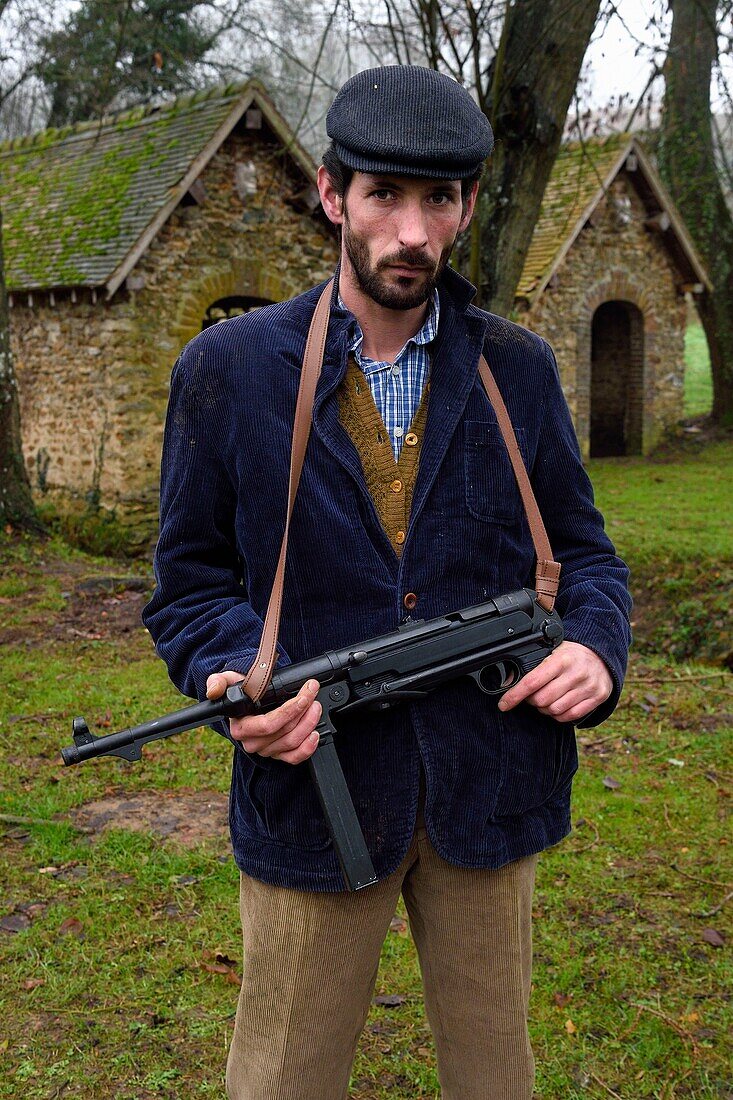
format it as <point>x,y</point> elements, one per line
<point>83,192</point>
<point>92,529</point>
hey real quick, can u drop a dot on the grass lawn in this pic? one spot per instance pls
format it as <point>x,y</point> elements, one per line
<point>698,383</point>
<point>119,926</point>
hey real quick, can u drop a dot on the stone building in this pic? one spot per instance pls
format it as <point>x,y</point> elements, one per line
<point>123,239</point>
<point>126,236</point>
<point>606,281</point>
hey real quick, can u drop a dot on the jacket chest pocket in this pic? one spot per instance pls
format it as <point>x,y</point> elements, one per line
<point>492,494</point>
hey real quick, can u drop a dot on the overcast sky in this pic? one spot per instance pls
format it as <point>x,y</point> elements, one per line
<point>621,54</point>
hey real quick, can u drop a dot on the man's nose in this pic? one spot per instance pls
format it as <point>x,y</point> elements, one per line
<point>413,227</point>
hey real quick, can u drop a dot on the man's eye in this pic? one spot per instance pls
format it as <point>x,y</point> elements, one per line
<point>441,198</point>
<point>382,193</point>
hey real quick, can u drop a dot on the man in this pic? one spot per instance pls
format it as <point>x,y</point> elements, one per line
<point>407,504</point>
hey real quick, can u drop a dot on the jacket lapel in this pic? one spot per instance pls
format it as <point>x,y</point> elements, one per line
<point>453,373</point>
<point>326,422</point>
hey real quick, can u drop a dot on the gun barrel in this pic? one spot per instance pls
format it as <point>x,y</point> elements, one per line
<point>86,745</point>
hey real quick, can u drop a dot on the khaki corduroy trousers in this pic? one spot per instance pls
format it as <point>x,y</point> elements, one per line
<point>310,964</point>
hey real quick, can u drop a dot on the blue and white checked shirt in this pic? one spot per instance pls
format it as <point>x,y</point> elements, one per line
<point>397,389</point>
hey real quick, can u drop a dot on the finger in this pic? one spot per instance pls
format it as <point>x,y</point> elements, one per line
<point>580,710</point>
<point>289,741</point>
<point>548,695</point>
<point>545,672</point>
<point>263,728</point>
<point>303,752</point>
<point>218,682</point>
<point>563,702</point>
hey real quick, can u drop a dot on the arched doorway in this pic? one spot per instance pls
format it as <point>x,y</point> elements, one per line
<point>617,380</point>
<point>224,308</point>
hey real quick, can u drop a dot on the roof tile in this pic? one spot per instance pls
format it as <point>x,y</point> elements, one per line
<point>576,180</point>
<point>76,200</point>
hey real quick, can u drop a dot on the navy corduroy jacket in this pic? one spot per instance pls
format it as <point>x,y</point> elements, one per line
<point>498,785</point>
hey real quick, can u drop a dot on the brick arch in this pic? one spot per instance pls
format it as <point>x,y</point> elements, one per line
<point>233,279</point>
<point>616,286</point>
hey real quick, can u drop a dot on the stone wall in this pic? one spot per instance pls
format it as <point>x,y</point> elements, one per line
<point>93,376</point>
<point>616,258</point>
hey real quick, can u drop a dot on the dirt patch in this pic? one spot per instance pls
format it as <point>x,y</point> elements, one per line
<point>186,817</point>
<point>103,607</point>
<point>96,606</point>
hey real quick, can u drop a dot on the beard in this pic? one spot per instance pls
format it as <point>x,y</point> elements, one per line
<point>404,293</point>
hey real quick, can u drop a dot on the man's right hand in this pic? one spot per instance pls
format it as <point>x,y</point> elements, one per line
<point>287,733</point>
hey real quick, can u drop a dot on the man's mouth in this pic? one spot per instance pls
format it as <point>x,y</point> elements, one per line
<point>407,269</point>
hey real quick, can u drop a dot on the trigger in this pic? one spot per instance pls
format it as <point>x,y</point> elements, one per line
<point>497,677</point>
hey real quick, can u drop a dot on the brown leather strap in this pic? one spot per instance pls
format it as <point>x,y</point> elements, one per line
<point>547,571</point>
<point>256,681</point>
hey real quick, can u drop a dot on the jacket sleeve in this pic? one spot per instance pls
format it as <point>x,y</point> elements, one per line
<point>593,598</point>
<point>199,616</point>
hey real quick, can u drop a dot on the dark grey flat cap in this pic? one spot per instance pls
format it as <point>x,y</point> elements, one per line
<point>408,120</point>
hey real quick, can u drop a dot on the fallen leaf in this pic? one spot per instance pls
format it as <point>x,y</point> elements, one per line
<point>713,937</point>
<point>562,999</point>
<point>397,924</point>
<point>72,926</point>
<point>220,957</point>
<point>222,964</point>
<point>612,784</point>
<point>390,1000</point>
<point>570,1027</point>
<point>33,983</point>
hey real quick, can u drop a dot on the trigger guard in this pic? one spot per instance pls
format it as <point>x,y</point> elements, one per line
<point>497,678</point>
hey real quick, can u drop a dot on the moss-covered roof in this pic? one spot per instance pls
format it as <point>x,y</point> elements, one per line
<point>578,178</point>
<point>76,201</point>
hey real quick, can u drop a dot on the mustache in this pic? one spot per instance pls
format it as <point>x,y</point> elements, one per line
<point>409,257</point>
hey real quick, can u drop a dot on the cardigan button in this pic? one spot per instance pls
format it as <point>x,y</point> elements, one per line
<point>410,601</point>
<point>400,536</point>
<point>411,439</point>
<point>396,485</point>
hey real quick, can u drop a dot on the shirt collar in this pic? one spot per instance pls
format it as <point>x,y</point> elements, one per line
<point>425,335</point>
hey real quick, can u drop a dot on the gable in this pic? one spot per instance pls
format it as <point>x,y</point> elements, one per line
<point>81,204</point>
<point>580,179</point>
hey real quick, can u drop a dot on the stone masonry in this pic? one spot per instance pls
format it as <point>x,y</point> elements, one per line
<point>616,258</point>
<point>94,374</point>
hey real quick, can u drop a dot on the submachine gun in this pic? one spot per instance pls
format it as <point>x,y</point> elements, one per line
<point>494,643</point>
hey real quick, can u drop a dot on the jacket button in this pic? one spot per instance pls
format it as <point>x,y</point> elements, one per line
<point>396,485</point>
<point>411,439</point>
<point>410,601</point>
<point>400,536</point>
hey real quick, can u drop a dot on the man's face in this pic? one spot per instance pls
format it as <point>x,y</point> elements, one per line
<point>398,233</point>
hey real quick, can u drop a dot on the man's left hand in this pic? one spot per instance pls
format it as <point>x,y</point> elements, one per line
<point>570,683</point>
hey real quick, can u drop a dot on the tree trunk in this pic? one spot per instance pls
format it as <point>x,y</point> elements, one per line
<point>687,165</point>
<point>532,80</point>
<point>16,504</point>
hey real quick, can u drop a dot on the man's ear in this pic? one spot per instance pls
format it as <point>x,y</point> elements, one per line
<point>331,201</point>
<point>470,205</point>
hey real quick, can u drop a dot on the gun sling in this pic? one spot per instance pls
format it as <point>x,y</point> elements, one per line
<point>547,571</point>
